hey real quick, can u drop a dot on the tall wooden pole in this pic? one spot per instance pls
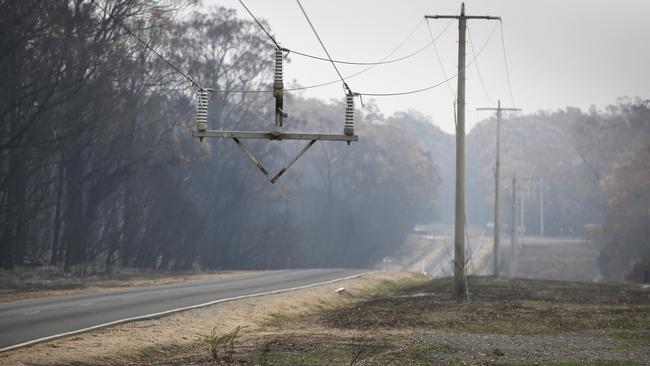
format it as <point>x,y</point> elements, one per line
<point>459,228</point>
<point>460,287</point>
<point>497,190</point>
<point>514,245</point>
<point>497,211</point>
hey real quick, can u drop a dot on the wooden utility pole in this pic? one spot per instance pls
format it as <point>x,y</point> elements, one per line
<point>460,287</point>
<point>541,206</point>
<point>514,245</point>
<point>497,178</point>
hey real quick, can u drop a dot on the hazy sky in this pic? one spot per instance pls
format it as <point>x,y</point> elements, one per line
<point>560,52</point>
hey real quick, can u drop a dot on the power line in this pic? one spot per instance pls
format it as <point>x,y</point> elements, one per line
<point>505,60</point>
<point>150,48</point>
<point>439,83</point>
<point>373,65</point>
<point>382,62</point>
<point>478,70</point>
<point>447,79</point>
<point>260,25</point>
<point>410,91</point>
<point>442,67</point>
<point>322,44</point>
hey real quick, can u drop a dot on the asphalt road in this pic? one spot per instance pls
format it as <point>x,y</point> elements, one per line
<point>40,319</point>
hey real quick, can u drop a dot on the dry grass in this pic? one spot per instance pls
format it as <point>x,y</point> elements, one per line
<point>416,322</point>
<point>27,283</point>
<point>173,336</point>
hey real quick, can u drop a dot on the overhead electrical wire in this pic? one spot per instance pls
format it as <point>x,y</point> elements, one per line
<point>382,94</point>
<point>149,47</point>
<point>373,65</point>
<point>304,54</point>
<point>383,61</point>
<point>380,62</point>
<point>442,67</point>
<point>322,45</point>
<point>260,25</point>
<point>439,83</point>
<point>478,70</point>
<point>505,60</point>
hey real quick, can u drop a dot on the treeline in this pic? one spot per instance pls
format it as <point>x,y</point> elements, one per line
<point>594,167</point>
<point>98,169</point>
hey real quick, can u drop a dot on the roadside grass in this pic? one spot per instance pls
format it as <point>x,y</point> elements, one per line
<point>502,307</point>
<point>417,321</point>
<point>332,349</point>
<point>26,283</point>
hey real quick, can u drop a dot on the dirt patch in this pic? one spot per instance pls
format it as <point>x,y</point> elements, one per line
<point>172,337</point>
<point>22,284</point>
<point>505,306</point>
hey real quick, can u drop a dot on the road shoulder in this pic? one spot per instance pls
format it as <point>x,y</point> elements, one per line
<point>126,342</point>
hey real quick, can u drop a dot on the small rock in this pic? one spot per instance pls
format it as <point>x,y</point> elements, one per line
<point>498,352</point>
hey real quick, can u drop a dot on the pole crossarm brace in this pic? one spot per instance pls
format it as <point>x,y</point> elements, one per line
<point>274,136</point>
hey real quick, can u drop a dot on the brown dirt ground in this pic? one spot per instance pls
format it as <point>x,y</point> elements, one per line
<point>138,342</point>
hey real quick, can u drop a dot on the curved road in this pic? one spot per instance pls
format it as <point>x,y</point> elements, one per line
<point>29,321</point>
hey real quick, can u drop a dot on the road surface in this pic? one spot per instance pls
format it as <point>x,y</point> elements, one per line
<point>30,321</point>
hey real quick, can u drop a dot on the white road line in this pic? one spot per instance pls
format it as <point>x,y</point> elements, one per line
<point>167,312</point>
<point>31,313</point>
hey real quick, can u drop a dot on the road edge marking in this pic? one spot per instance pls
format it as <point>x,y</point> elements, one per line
<point>177,310</point>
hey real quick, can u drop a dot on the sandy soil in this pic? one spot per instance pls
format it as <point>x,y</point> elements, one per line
<point>124,343</point>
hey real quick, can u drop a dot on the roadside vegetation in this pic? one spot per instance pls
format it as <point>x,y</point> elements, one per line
<point>418,322</point>
<point>26,283</point>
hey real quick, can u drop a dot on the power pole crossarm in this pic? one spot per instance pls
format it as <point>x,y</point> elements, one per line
<point>460,284</point>
<point>486,17</point>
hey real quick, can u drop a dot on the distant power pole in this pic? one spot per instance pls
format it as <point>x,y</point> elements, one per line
<point>514,245</point>
<point>522,216</point>
<point>460,287</point>
<point>541,206</point>
<point>497,178</point>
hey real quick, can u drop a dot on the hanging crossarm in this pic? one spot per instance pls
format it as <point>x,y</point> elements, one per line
<point>261,168</point>
<point>274,135</point>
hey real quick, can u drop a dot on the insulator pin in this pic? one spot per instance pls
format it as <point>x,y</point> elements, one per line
<point>348,129</point>
<point>202,110</point>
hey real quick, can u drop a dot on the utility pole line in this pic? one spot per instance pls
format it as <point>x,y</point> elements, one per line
<point>497,178</point>
<point>460,284</point>
<point>541,207</point>
<point>514,245</point>
<point>522,217</point>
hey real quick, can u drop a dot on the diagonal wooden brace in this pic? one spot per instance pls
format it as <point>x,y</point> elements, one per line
<point>259,165</point>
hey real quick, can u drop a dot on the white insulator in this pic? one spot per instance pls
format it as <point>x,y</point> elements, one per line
<point>278,88</point>
<point>348,129</point>
<point>279,56</point>
<point>202,110</point>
